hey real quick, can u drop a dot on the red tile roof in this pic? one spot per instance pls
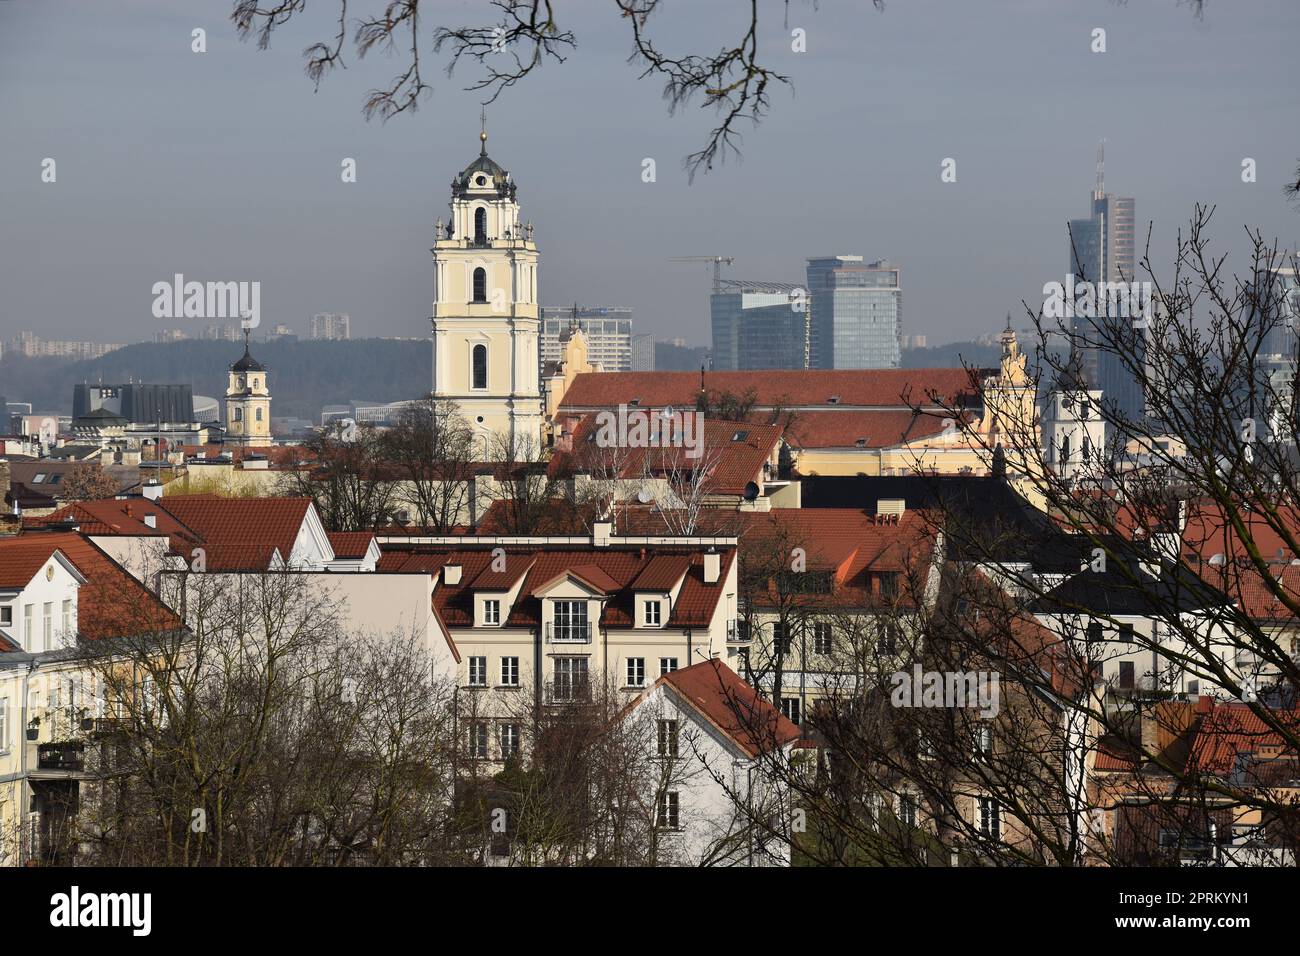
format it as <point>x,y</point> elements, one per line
<point>864,429</point>
<point>114,516</point>
<point>350,544</point>
<point>111,603</point>
<point>242,521</point>
<point>22,557</point>
<point>1229,731</point>
<point>493,580</point>
<point>614,569</point>
<point>777,387</point>
<point>718,694</point>
<point>663,571</point>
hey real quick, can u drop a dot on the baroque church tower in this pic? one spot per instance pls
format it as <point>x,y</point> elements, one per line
<point>486,321</point>
<point>248,403</point>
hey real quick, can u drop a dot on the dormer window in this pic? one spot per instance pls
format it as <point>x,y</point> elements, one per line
<point>492,612</point>
<point>654,613</point>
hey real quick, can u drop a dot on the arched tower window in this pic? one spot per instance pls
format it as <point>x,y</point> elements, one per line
<point>1065,450</point>
<point>480,285</point>
<point>239,414</point>
<point>259,413</point>
<point>480,225</point>
<point>480,367</point>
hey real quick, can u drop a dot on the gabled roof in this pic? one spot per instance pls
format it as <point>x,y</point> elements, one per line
<point>242,521</point>
<point>662,573</point>
<point>588,574</point>
<point>864,429</point>
<point>350,545</point>
<point>112,602</point>
<point>724,700</point>
<point>22,557</point>
<point>516,567</point>
<point>1231,739</point>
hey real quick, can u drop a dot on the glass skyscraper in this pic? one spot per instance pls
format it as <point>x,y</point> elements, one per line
<point>857,313</point>
<point>608,332</point>
<point>759,325</point>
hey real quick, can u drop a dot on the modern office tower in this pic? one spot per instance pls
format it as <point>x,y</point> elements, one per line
<point>226,332</point>
<point>643,352</point>
<point>760,325</point>
<point>1273,326</point>
<point>857,313</point>
<point>331,326</point>
<point>674,355</point>
<point>1102,250</point>
<point>608,332</point>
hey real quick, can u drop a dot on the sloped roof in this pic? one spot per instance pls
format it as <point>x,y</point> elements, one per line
<point>242,521</point>
<point>350,545</point>
<point>22,557</point>
<point>1230,733</point>
<point>778,387</point>
<point>718,694</point>
<point>853,428</point>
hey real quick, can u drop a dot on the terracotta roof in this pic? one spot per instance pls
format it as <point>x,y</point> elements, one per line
<point>119,516</point>
<point>1230,738</point>
<point>864,429</point>
<point>492,580</point>
<point>240,556</point>
<point>718,694</point>
<point>22,557</point>
<point>350,544</point>
<point>613,569</point>
<point>241,521</point>
<point>662,572</point>
<point>731,454</point>
<point>777,387</point>
<point>111,603</point>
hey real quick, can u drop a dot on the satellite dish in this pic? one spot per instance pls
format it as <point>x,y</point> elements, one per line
<point>667,412</point>
<point>751,491</point>
<point>644,496</point>
<point>1217,561</point>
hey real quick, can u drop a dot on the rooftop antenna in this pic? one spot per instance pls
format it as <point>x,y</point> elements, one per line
<point>1100,191</point>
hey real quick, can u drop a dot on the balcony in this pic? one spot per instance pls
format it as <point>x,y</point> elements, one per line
<point>738,632</point>
<point>571,633</point>
<point>67,755</point>
<point>574,690</point>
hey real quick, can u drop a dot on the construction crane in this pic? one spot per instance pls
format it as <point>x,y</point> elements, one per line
<point>717,267</point>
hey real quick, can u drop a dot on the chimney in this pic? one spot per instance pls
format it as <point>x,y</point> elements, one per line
<point>712,566</point>
<point>152,491</point>
<point>127,509</point>
<point>451,574</point>
<point>151,520</point>
<point>600,534</point>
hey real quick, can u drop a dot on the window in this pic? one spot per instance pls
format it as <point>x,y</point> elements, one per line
<point>492,612</point>
<point>480,225</point>
<point>668,738</point>
<point>907,809</point>
<point>509,672</point>
<point>990,818</point>
<point>1094,631</point>
<point>889,584</point>
<point>509,734</point>
<point>652,618</point>
<point>570,678</point>
<point>636,672</point>
<point>67,618</point>
<point>781,637</point>
<point>259,413</point>
<point>822,637</point>
<point>28,633</point>
<point>1126,633</point>
<point>4,724</point>
<point>667,665</point>
<point>6,615</point>
<point>479,370</point>
<point>480,285</point>
<point>790,707</point>
<point>1126,675</point>
<point>239,414</point>
<point>478,739</point>
<point>983,741</point>
<point>667,817</point>
<point>570,621</point>
<point>47,625</point>
<point>478,672</point>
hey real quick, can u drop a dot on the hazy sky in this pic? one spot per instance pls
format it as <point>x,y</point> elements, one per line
<point>226,166</point>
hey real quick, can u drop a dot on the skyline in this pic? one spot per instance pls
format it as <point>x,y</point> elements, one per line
<point>241,180</point>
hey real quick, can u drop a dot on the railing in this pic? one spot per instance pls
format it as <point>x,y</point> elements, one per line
<point>66,755</point>
<point>738,632</point>
<point>574,690</point>
<point>568,633</point>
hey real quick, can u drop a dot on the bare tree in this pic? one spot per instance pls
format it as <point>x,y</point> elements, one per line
<point>430,449</point>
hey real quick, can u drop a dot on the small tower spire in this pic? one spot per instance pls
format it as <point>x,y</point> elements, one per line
<point>482,136</point>
<point>1100,191</point>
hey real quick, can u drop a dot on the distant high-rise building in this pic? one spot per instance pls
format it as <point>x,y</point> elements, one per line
<point>30,344</point>
<point>1102,250</point>
<point>608,332</point>
<point>674,355</point>
<point>331,326</point>
<point>170,335</point>
<point>760,325</point>
<point>857,313</point>
<point>643,353</point>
